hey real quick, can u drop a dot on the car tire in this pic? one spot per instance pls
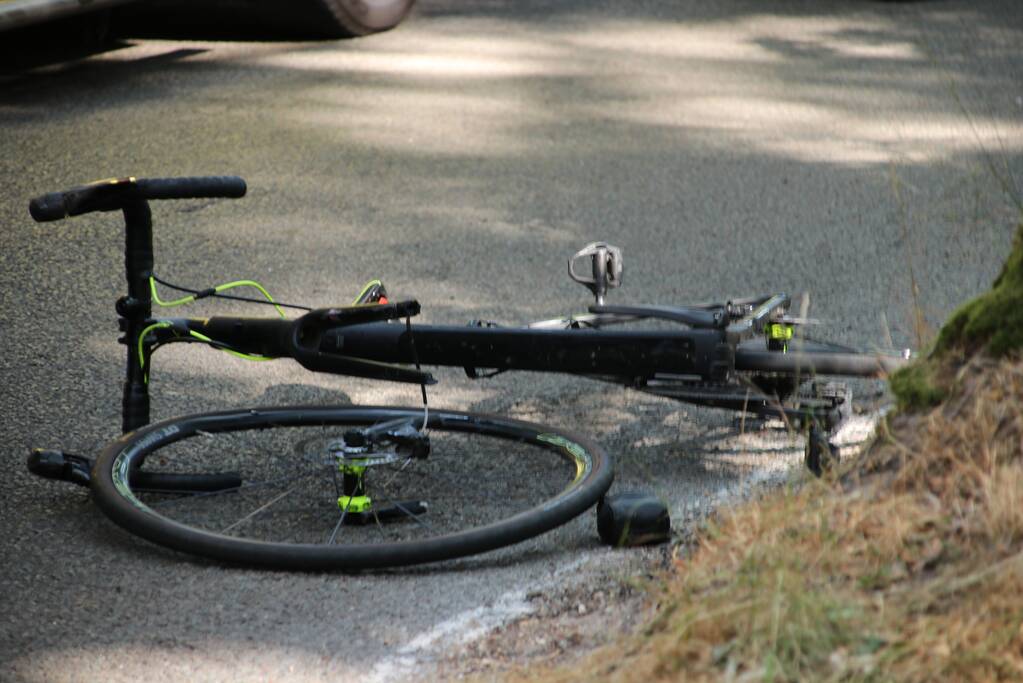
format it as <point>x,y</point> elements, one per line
<point>348,18</point>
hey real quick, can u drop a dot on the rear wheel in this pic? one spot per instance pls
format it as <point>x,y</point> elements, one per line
<point>306,494</point>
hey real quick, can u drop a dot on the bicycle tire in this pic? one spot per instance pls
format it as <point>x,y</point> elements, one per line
<point>530,453</point>
<point>817,359</point>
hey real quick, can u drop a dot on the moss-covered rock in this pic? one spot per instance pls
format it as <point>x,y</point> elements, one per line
<point>992,323</point>
<point>918,386</point>
<point>994,319</point>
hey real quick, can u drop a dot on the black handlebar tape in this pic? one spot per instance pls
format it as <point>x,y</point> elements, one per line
<point>49,207</point>
<point>229,187</point>
<point>102,195</point>
<point>113,194</point>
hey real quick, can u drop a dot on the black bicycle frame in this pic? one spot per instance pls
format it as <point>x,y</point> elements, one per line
<point>375,350</point>
<point>626,354</point>
<point>690,364</point>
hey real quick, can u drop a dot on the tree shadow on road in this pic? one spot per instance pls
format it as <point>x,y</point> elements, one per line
<point>729,151</point>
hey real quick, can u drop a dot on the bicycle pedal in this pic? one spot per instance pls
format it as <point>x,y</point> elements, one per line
<point>60,466</point>
<point>602,270</point>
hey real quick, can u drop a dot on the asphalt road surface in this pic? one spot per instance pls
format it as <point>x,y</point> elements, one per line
<point>866,152</point>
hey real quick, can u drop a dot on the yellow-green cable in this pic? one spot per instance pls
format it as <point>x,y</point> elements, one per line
<point>167,304</point>
<point>251,283</point>
<point>219,288</point>
<point>239,354</point>
<point>365,289</point>
<point>142,353</point>
<point>197,335</point>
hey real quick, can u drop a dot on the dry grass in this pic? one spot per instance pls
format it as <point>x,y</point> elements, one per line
<point>906,567</point>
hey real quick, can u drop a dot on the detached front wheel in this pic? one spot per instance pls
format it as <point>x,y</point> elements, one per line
<point>307,488</point>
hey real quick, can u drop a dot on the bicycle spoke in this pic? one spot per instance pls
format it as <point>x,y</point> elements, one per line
<point>417,518</point>
<point>379,526</point>
<point>480,493</point>
<point>398,471</point>
<point>337,527</point>
<point>337,485</point>
<point>189,497</point>
<point>258,510</point>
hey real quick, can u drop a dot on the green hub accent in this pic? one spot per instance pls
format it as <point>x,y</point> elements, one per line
<point>354,503</point>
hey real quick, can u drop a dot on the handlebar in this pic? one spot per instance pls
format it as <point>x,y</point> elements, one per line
<point>130,195</point>
<point>112,194</point>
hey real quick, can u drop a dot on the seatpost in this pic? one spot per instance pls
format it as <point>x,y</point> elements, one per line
<point>135,309</point>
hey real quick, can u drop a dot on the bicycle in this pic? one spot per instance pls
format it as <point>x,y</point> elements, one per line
<point>325,487</point>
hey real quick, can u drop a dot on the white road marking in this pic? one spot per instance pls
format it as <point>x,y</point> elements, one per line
<point>462,628</point>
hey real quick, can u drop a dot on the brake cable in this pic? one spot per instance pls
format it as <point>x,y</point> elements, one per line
<point>196,294</point>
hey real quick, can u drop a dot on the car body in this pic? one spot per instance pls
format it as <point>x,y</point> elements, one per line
<point>325,18</point>
<point>20,13</point>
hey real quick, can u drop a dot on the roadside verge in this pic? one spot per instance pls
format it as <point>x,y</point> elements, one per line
<point>907,564</point>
